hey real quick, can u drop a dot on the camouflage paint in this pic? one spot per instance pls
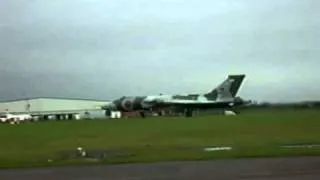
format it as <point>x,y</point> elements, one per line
<point>186,97</point>
<point>227,89</point>
<point>236,81</point>
<point>235,86</point>
<point>130,103</point>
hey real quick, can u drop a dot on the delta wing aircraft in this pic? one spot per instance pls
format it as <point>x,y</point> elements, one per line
<point>223,96</point>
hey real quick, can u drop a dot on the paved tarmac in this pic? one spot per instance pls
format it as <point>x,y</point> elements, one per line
<point>298,168</point>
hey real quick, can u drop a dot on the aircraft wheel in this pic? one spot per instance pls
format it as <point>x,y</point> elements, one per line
<point>188,112</point>
<point>108,112</point>
<point>142,114</point>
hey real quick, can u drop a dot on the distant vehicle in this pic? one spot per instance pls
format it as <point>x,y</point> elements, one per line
<point>16,118</point>
<point>223,96</point>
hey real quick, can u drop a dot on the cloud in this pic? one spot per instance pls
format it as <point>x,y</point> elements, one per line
<point>106,49</point>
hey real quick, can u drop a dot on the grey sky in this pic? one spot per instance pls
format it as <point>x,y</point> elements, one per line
<point>105,49</point>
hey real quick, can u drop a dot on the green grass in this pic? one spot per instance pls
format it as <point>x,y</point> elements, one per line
<point>252,134</point>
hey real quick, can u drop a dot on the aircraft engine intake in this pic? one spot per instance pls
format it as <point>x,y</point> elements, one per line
<point>127,104</point>
<point>130,103</point>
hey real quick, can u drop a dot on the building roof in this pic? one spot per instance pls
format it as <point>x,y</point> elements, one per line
<point>61,98</point>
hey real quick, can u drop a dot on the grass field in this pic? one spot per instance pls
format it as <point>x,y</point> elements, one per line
<point>251,134</point>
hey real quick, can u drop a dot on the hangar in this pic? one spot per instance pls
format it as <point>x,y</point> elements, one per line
<point>54,108</point>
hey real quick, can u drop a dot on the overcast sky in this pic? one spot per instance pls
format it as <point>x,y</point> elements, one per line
<point>109,48</point>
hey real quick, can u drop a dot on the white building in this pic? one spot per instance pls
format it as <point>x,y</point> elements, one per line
<point>58,108</point>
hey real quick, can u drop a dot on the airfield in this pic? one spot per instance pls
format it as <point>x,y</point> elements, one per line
<point>298,168</point>
<point>253,133</point>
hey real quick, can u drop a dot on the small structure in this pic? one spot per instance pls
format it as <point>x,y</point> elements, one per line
<point>115,114</point>
<point>54,108</point>
<point>229,113</point>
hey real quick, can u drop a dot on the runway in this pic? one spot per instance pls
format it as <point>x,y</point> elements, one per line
<point>297,168</point>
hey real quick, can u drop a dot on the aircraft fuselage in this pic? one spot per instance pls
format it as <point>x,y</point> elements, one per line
<point>223,96</point>
<point>137,103</point>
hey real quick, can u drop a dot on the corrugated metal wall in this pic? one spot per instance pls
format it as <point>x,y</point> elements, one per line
<point>49,105</point>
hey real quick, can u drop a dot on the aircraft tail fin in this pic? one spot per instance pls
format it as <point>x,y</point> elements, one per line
<point>235,85</point>
<point>227,89</point>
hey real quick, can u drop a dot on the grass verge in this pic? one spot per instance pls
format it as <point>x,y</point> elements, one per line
<point>251,134</point>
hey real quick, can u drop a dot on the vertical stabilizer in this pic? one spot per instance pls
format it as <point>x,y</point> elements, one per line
<point>237,81</point>
<point>228,89</point>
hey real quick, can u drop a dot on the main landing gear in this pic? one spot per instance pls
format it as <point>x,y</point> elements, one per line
<point>143,113</point>
<point>188,112</point>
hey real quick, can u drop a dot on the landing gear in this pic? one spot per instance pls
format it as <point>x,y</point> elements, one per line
<point>107,112</point>
<point>142,114</point>
<point>160,113</point>
<point>188,112</point>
